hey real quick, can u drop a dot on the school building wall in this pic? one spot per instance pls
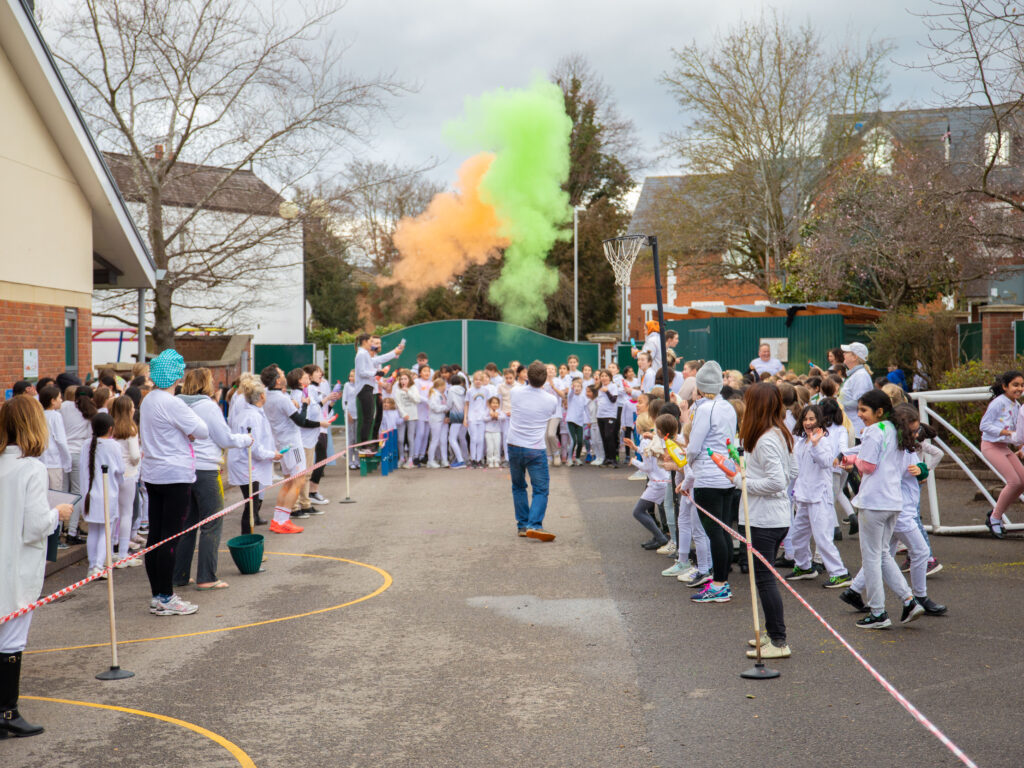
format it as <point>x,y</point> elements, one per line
<point>27,325</point>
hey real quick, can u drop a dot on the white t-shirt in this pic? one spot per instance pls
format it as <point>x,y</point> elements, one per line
<point>606,407</point>
<point>278,410</point>
<point>532,408</point>
<point>771,366</point>
<point>165,423</point>
<point>647,380</point>
<point>880,490</point>
<point>575,412</point>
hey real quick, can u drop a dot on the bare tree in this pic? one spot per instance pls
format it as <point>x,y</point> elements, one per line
<point>759,140</point>
<point>238,87</point>
<point>977,47</point>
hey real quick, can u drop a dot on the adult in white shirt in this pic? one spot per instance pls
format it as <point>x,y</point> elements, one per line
<point>167,429</point>
<point>367,366</point>
<point>765,363</point>
<point>858,381</point>
<point>532,409</point>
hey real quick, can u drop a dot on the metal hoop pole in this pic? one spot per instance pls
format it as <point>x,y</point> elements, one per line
<point>666,382</point>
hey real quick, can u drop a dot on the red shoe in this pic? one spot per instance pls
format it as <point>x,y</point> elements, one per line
<point>286,527</point>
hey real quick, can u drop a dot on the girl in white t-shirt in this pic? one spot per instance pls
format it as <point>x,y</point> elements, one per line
<point>648,460</point>
<point>492,431</point>
<point>126,434</point>
<point>999,427</point>
<point>102,450</point>
<point>880,460</point>
<point>437,402</point>
<point>407,400</point>
<point>424,383</point>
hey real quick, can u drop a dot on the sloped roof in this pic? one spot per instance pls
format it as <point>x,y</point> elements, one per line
<point>208,186</point>
<point>115,238</point>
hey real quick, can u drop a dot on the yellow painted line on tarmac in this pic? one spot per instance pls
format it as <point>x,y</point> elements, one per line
<point>388,581</point>
<point>243,759</point>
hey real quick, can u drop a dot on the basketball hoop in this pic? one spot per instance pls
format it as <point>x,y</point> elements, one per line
<point>621,253</point>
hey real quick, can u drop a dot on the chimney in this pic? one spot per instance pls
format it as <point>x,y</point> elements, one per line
<point>158,152</point>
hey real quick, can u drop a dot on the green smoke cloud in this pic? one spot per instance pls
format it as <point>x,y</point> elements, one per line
<point>528,131</point>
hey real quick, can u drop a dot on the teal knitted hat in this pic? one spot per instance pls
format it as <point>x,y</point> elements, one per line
<point>166,368</point>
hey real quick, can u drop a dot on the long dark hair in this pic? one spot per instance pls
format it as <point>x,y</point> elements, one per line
<point>102,423</point>
<point>903,415</point>
<point>1002,381</point>
<point>764,410</point>
<point>819,415</point>
<point>83,399</point>
<point>832,411</point>
<point>876,399</point>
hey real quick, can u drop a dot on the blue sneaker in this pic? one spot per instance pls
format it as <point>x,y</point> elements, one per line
<point>458,465</point>
<point>713,594</point>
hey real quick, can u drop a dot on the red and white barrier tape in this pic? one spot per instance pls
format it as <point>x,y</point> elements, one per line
<point>78,584</point>
<point>889,687</point>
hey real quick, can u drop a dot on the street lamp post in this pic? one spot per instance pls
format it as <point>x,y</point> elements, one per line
<point>575,274</point>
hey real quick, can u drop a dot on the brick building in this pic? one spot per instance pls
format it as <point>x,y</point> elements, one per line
<point>64,228</point>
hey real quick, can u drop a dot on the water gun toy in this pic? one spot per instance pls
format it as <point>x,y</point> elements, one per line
<point>332,418</point>
<point>632,342</point>
<point>285,450</point>
<point>337,386</point>
<point>734,453</point>
<point>719,460</point>
<point>675,452</point>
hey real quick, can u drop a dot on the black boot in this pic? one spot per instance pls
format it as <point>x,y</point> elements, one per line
<point>837,534</point>
<point>854,527</point>
<point>11,723</point>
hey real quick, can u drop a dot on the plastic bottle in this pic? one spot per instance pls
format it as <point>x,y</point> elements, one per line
<point>719,460</point>
<point>675,452</point>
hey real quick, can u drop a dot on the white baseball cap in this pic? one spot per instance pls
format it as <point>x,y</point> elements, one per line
<point>857,348</point>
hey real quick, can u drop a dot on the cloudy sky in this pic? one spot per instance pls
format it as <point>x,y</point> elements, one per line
<point>452,49</point>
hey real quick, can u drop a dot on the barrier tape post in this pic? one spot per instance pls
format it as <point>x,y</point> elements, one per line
<point>115,672</point>
<point>348,463</point>
<point>250,504</point>
<point>759,671</point>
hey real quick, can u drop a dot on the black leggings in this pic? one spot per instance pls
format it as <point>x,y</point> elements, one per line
<point>257,504</point>
<point>168,508</point>
<point>609,436</point>
<point>366,408</point>
<point>576,433</point>
<point>644,514</point>
<point>319,454</point>
<point>717,501</point>
<point>767,541</point>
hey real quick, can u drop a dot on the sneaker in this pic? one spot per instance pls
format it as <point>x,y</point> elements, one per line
<point>313,510</point>
<point>799,573</point>
<point>771,651</point>
<point>995,526</point>
<point>540,534</point>
<point>522,533</point>
<point>852,598</point>
<point>63,545</point>
<point>835,582</point>
<point>433,465</point>
<point>900,548</point>
<point>675,569</point>
<point>819,567</point>
<point>134,546</point>
<point>765,640</point>
<point>154,604</point>
<point>713,594</point>
<point>318,498</point>
<point>458,465</point>
<point>668,548</point>
<point>94,571</point>
<point>174,606</point>
<point>934,566</point>
<point>912,610</point>
<point>557,461</point>
<point>143,530</point>
<point>931,608</point>
<point>638,475</point>
<point>299,514</point>
<point>73,540</point>
<point>782,561</point>
<point>875,622</point>
<point>699,579</point>
<point>688,572</point>
<point>286,527</point>
<point>905,568</point>
<point>444,465</point>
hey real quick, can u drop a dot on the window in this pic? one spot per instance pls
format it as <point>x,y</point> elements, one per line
<point>878,151</point>
<point>997,147</point>
<point>71,339</point>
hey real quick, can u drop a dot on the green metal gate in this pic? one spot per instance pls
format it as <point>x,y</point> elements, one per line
<point>969,341</point>
<point>285,356</point>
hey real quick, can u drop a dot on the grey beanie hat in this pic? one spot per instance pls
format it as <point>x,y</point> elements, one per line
<point>709,378</point>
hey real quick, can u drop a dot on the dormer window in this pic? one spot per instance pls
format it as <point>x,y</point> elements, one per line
<point>997,148</point>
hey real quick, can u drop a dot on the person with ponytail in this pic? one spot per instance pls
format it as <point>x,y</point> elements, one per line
<point>102,450</point>
<point>126,434</point>
<point>880,460</point>
<point>26,519</point>
<point>998,433</point>
<point>77,414</point>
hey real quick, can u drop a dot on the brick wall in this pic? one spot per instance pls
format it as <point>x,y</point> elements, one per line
<point>39,326</point>
<point>997,331</point>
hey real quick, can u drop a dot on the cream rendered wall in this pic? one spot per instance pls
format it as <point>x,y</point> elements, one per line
<point>45,220</point>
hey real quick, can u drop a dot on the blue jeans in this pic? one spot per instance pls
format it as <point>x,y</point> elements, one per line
<point>529,514</point>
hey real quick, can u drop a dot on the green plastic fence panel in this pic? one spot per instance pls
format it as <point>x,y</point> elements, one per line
<point>499,343</point>
<point>440,340</point>
<point>285,356</point>
<point>857,332</point>
<point>970,341</point>
<point>1018,337</point>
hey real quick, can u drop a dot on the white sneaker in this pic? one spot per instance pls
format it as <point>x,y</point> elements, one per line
<point>638,475</point>
<point>688,574</point>
<point>445,465</point>
<point>174,606</point>
<point>667,549</point>
<point>433,465</point>
<point>675,569</point>
<point>319,499</point>
<point>557,461</point>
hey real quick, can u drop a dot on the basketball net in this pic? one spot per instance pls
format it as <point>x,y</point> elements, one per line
<point>621,253</point>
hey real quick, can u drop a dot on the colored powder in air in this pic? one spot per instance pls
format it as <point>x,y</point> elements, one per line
<point>457,229</point>
<point>528,130</point>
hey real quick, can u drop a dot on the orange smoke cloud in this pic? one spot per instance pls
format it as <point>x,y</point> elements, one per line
<point>457,229</point>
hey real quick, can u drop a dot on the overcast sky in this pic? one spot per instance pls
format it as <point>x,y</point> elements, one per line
<point>457,48</point>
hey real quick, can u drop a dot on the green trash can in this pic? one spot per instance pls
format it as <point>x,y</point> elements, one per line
<point>247,552</point>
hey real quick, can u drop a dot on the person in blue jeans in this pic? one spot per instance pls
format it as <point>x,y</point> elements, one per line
<point>531,409</point>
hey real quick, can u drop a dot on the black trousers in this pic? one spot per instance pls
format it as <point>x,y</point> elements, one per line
<point>366,406</point>
<point>767,542</point>
<point>168,508</point>
<point>609,438</point>
<point>319,454</point>
<point>378,404</point>
<point>718,502</point>
<point>576,433</point>
<point>257,504</point>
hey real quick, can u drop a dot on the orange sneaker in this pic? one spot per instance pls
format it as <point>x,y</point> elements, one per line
<point>286,527</point>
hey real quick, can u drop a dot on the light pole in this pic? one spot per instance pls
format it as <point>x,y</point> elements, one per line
<point>576,273</point>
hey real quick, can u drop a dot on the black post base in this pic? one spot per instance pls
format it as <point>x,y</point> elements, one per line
<point>347,500</point>
<point>115,673</point>
<point>760,672</point>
